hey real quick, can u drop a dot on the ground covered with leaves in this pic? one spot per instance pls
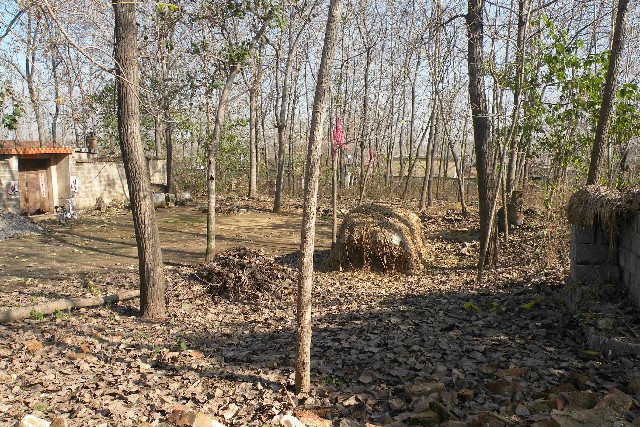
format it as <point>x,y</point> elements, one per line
<point>387,349</point>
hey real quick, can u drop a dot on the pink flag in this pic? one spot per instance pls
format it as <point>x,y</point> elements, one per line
<point>339,138</point>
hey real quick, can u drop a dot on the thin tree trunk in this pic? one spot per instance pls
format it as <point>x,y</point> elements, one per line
<point>170,157</point>
<point>152,279</point>
<point>30,60</point>
<point>308,227</point>
<point>480,120</point>
<point>253,134</point>
<point>56,101</point>
<point>428,156</point>
<point>234,69</point>
<point>430,175</point>
<point>608,93</point>
<point>524,17</point>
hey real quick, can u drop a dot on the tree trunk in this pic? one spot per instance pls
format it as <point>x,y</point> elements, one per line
<point>170,157</point>
<point>233,71</point>
<point>608,93</point>
<point>30,60</point>
<point>428,157</point>
<point>308,227</point>
<point>50,307</point>
<point>480,121</point>
<point>430,175</point>
<point>253,134</point>
<point>152,279</point>
<point>364,134</point>
<point>524,17</point>
<point>56,101</point>
<point>158,131</point>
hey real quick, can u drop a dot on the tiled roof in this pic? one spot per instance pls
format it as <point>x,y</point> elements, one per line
<point>38,150</point>
<point>31,147</point>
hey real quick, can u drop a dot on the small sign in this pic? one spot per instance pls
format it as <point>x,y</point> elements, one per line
<point>43,185</point>
<point>75,184</point>
<point>13,190</point>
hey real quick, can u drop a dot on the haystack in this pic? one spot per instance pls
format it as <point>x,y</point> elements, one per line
<point>380,237</point>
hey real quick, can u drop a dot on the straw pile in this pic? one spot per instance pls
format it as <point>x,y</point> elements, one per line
<point>607,207</point>
<point>382,238</point>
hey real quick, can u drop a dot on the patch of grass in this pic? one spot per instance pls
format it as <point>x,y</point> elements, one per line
<point>36,315</point>
<point>41,407</point>
<point>530,305</point>
<point>471,306</point>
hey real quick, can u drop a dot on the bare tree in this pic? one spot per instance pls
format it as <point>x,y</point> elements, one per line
<point>310,200</point>
<point>150,266</point>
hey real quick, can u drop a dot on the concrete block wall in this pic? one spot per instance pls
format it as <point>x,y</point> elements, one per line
<point>8,173</point>
<point>597,257</point>
<point>593,258</point>
<point>628,256</point>
<point>98,178</point>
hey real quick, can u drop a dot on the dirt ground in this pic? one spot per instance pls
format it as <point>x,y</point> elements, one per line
<point>106,241</point>
<point>387,349</point>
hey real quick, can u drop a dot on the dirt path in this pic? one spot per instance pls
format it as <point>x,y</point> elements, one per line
<point>107,241</point>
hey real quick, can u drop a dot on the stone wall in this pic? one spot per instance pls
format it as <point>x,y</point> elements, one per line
<point>99,178</point>
<point>598,256</point>
<point>9,173</point>
<point>157,170</point>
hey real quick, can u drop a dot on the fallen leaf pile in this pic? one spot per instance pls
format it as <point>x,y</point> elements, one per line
<point>247,274</point>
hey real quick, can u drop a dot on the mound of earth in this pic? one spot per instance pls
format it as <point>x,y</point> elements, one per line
<point>247,274</point>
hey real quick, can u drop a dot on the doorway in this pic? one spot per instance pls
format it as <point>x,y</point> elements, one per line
<point>34,186</point>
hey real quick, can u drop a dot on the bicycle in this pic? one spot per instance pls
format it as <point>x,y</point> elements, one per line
<point>67,210</point>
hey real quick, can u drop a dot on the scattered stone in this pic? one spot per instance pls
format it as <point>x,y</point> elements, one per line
<point>60,422</point>
<point>33,421</point>
<point>291,421</point>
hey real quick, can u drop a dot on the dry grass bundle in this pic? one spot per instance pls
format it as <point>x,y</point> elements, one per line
<point>380,237</point>
<point>603,205</point>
